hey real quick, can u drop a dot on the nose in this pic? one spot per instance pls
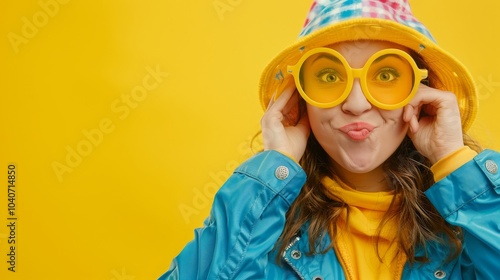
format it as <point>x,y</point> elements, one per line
<point>356,102</point>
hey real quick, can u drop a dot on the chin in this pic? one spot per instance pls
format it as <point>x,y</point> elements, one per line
<point>360,168</point>
<point>359,163</point>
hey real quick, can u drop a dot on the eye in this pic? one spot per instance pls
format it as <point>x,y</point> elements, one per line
<point>329,76</point>
<point>387,75</point>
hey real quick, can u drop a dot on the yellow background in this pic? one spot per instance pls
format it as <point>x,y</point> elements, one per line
<point>154,147</point>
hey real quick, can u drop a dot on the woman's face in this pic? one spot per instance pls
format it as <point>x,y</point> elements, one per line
<point>358,136</point>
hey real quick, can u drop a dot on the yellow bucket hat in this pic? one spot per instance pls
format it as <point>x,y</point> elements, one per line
<point>333,21</point>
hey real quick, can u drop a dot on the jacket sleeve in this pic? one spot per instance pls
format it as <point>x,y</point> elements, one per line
<point>246,219</point>
<point>470,198</point>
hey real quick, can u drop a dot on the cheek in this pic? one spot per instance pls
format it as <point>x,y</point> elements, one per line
<point>322,123</point>
<point>393,119</point>
<point>318,118</point>
<point>321,115</point>
<point>395,128</point>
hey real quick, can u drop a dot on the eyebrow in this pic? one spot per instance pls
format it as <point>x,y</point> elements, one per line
<point>328,56</point>
<point>387,55</point>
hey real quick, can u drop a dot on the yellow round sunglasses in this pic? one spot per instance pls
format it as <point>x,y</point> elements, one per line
<point>389,79</point>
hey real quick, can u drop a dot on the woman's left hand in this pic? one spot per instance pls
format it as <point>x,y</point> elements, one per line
<point>435,124</point>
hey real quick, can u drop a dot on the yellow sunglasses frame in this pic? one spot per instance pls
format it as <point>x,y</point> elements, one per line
<point>359,73</point>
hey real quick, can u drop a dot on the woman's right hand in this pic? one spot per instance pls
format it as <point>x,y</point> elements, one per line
<point>285,126</point>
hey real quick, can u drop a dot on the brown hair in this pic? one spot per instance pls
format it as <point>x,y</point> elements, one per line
<point>407,172</point>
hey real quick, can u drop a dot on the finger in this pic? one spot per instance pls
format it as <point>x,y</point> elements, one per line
<point>424,96</point>
<point>274,116</point>
<point>288,82</point>
<point>407,113</point>
<point>414,124</point>
<point>410,116</point>
<point>430,96</point>
<point>271,102</point>
<point>280,102</point>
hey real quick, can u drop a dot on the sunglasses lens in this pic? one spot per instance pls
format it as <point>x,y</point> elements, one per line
<point>323,77</point>
<point>390,79</point>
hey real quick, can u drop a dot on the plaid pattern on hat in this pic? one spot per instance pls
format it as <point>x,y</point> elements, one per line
<point>324,12</point>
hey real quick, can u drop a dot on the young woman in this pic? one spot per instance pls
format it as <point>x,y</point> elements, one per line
<point>367,171</point>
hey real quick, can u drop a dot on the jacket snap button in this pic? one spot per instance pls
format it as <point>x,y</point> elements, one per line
<point>439,274</point>
<point>281,172</point>
<point>491,166</point>
<point>318,278</point>
<point>296,254</point>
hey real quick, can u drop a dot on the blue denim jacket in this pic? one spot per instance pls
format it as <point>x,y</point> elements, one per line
<point>248,215</point>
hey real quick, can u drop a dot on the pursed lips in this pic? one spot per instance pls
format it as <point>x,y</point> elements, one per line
<point>358,130</point>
